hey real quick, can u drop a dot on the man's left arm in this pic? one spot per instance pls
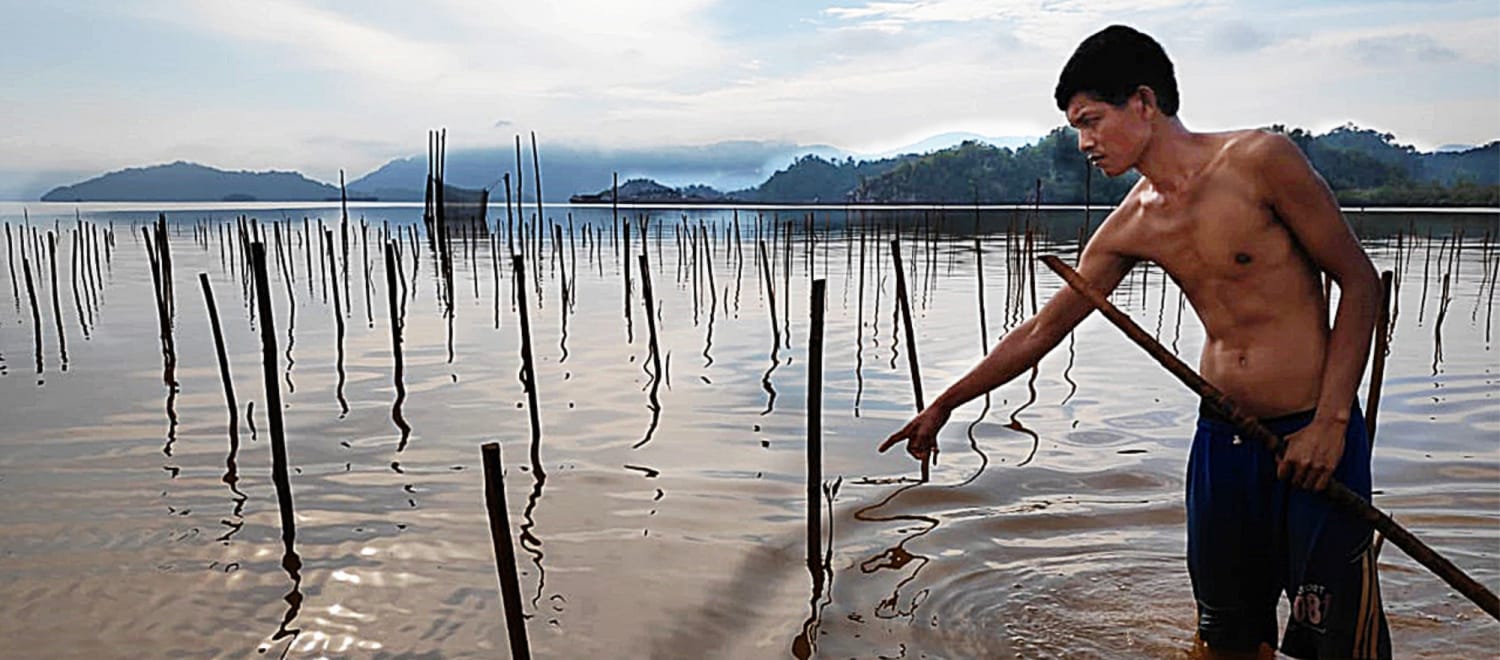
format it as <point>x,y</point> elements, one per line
<point>1303,201</point>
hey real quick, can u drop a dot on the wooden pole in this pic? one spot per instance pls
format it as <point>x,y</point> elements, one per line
<point>911,348</point>
<point>78,300</point>
<point>815,429</point>
<point>36,317</point>
<point>213,317</point>
<point>1251,428</point>
<point>1382,347</point>
<point>505,552</point>
<point>10,261</point>
<point>62,336</point>
<point>364,243</point>
<point>273,395</point>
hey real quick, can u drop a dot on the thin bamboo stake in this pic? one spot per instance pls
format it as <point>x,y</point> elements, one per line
<point>36,317</point>
<point>78,300</point>
<point>911,348</point>
<point>1382,348</point>
<point>1251,428</point>
<point>10,261</point>
<point>62,336</point>
<point>213,317</point>
<point>815,428</point>
<point>279,474</point>
<point>505,552</point>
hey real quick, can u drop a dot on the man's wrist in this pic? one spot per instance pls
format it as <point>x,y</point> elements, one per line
<point>941,405</point>
<point>1335,416</point>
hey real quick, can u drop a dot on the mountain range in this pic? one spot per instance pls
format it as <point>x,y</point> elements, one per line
<point>950,168</point>
<point>566,170</point>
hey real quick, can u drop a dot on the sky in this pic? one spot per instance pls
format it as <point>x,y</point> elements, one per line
<point>318,86</point>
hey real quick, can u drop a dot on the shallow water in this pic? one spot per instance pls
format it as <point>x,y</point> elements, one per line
<point>678,532</point>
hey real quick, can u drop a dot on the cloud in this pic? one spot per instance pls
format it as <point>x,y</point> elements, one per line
<point>320,38</point>
<point>1399,50</point>
<point>898,15</point>
<point>318,86</point>
<point>1239,37</point>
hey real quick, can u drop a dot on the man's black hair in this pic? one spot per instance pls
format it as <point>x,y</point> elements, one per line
<point>1112,63</point>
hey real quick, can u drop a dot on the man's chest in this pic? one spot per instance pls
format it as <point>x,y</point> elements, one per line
<point>1213,235</point>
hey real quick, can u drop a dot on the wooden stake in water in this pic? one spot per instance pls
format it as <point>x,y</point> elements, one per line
<point>1252,429</point>
<point>505,552</point>
<point>911,348</point>
<point>765,267</point>
<point>36,317</point>
<point>62,336</point>
<point>77,299</point>
<point>10,261</point>
<point>213,317</point>
<point>815,429</point>
<point>1382,347</point>
<point>273,395</point>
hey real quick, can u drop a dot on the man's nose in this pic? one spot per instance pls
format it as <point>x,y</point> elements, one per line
<point>1085,143</point>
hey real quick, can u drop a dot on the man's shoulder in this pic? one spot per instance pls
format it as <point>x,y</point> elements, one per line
<point>1118,229</point>
<point>1255,146</point>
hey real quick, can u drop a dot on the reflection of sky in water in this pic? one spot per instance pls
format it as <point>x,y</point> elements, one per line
<point>691,544</point>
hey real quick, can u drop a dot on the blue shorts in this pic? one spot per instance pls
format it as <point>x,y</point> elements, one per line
<point>1252,538</point>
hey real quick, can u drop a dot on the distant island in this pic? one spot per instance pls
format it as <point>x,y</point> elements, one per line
<point>191,182</point>
<point>647,191</point>
<point>1364,167</point>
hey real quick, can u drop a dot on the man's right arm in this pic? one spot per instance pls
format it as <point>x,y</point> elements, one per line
<point>1102,264</point>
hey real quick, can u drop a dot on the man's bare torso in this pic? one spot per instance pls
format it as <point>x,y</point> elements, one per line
<point>1257,293</point>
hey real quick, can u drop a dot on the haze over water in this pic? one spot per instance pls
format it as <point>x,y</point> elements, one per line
<point>1053,524</point>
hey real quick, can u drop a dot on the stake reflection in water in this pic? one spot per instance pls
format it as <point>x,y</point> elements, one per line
<point>398,375</point>
<point>648,300</point>
<point>984,345</point>
<point>765,379</point>
<point>231,470</point>
<point>528,370</point>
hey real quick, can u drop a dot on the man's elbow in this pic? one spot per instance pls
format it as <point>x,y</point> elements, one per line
<point>1361,284</point>
<point>1366,281</point>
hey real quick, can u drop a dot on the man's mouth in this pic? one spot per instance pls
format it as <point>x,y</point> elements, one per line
<point>1094,159</point>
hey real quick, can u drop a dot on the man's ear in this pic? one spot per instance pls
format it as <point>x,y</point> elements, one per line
<point>1149,107</point>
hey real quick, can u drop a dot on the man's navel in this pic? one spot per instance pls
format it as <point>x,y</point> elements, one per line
<point>1242,258</point>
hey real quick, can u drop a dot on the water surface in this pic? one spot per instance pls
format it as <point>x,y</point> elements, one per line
<point>668,516</point>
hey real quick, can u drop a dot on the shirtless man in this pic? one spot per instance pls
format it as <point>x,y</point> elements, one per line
<point>1246,228</point>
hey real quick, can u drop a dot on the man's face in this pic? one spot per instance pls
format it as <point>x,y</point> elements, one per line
<point>1112,137</point>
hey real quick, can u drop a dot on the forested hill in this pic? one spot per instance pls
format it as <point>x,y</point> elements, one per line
<point>190,182</point>
<point>976,172</point>
<point>1364,167</point>
<point>811,179</point>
